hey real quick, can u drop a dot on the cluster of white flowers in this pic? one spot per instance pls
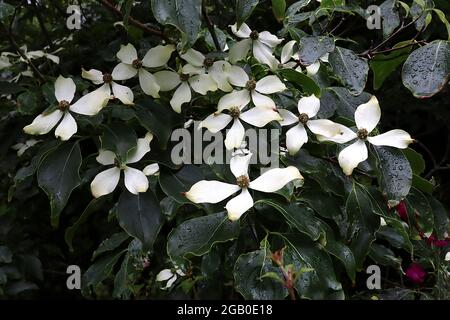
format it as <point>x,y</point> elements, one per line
<point>246,99</point>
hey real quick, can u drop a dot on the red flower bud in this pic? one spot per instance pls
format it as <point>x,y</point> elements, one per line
<point>415,273</point>
<point>402,211</point>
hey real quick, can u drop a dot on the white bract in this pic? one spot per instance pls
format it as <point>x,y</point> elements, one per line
<point>287,54</point>
<point>22,147</point>
<point>65,88</point>
<point>257,117</point>
<point>199,64</point>
<point>170,276</point>
<point>447,256</point>
<point>169,80</point>
<point>314,68</point>
<point>211,191</point>
<point>367,116</point>
<point>261,43</point>
<point>135,180</point>
<point>130,65</point>
<point>255,91</point>
<point>308,107</point>
<point>123,93</point>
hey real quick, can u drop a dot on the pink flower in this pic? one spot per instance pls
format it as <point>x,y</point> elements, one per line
<point>433,240</point>
<point>415,273</point>
<point>402,211</point>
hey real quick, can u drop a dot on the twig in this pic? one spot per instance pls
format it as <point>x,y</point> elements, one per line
<point>211,29</point>
<point>133,21</point>
<point>370,51</point>
<point>337,26</point>
<point>374,53</point>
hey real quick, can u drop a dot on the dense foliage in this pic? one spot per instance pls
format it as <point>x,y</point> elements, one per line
<point>358,99</point>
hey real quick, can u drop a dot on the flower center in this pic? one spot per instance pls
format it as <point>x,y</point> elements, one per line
<point>235,112</point>
<point>117,163</point>
<point>137,64</point>
<point>243,181</point>
<point>208,62</point>
<point>184,77</point>
<point>254,35</point>
<point>250,85</point>
<point>303,118</point>
<point>64,105</point>
<point>107,78</point>
<point>362,134</point>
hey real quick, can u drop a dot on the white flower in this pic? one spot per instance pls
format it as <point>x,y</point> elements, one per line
<point>210,191</point>
<point>4,62</point>
<point>135,180</point>
<point>200,83</point>
<point>257,117</point>
<point>22,147</point>
<point>170,276</point>
<point>287,53</point>
<point>367,117</point>
<point>308,107</point>
<point>123,93</point>
<point>261,43</point>
<point>382,222</point>
<point>255,91</point>
<point>65,88</point>
<point>37,54</point>
<point>199,64</point>
<point>447,256</point>
<point>314,68</point>
<point>130,65</point>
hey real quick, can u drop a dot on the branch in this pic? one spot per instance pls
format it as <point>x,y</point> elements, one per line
<point>211,29</point>
<point>369,52</point>
<point>133,21</point>
<point>16,47</point>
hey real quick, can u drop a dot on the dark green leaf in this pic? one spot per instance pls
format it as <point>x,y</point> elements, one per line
<point>441,218</point>
<point>384,256</point>
<point>175,185</point>
<point>383,65</point>
<point>185,15</point>
<point>58,175</point>
<point>28,102</point>
<point>390,16</point>
<point>140,216</point>
<point>92,207</point>
<point>278,8</point>
<point>320,282</point>
<point>420,212</point>
<point>427,69</point>
<point>312,48</point>
<point>301,81</point>
<point>110,244</point>
<point>415,160</point>
<point>158,119</point>
<point>119,138</point>
<point>195,237</point>
<point>299,217</point>
<point>100,270</point>
<point>244,9</point>
<point>394,174</point>
<point>350,69</point>
<point>342,101</point>
<point>248,275</point>
<point>362,223</point>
